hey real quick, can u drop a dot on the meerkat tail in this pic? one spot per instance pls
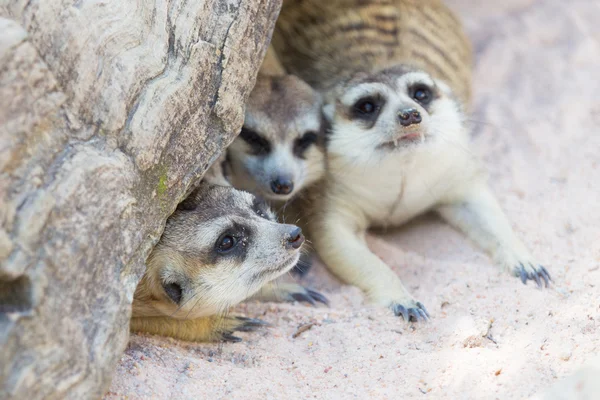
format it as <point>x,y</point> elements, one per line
<point>271,65</point>
<point>207,329</point>
<point>479,216</point>
<point>280,292</point>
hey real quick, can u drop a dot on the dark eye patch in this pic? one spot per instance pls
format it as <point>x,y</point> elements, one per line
<point>422,94</point>
<point>367,108</point>
<point>304,142</point>
<point>232,242</point>
<point>258,144</point>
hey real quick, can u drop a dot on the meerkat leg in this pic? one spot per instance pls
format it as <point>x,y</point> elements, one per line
<point>280,292</point>
<point>480,217</point>
<point>208,329</point>
<point>343,248</point>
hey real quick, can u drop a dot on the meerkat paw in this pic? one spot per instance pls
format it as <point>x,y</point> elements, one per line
<point>410,311</point>
<point>289,292</point>
<point>521,264</point>
<point>229,325</point>
<point>308,296</point>
<point>405,306</point>
<point>530,271</point>
<point>216,328</point>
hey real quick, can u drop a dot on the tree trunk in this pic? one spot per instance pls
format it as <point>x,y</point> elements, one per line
<point>109,112</point>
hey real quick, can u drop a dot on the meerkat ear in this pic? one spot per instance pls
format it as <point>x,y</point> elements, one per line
<point>329,112</point>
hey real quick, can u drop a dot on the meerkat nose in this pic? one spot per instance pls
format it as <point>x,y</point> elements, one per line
<point>409,117</point>
<point>295,240</point>
<point>281,185</point>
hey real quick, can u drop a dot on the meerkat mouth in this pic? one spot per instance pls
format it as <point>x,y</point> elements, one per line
<point>279,269</point>
<point>403,141</point>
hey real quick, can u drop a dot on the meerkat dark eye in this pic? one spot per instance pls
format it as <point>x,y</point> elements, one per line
<point>258,144</point>
<point>422,94</point>
<point>366,108</point>
<point>174,291</point>
<point>304,142</point>
<point>226,243</point>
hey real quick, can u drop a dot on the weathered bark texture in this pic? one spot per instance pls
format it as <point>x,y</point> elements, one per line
<point>109,111</point>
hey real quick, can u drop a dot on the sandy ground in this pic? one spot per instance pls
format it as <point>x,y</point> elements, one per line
<point>537,127</point>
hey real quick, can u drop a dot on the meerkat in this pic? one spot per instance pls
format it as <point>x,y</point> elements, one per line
<point>280,149</point>
<point>396,79</point>
<point>219,247</point>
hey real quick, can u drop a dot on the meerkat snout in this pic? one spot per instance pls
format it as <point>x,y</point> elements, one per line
<point>409,117</point>
<point>295,239</point>
<point>282,185</point>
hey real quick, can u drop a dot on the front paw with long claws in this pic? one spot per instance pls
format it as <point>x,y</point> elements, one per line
<point>233,324</point>
<point>289,292</point>
<point>411,312</point>
<point>529,271</point>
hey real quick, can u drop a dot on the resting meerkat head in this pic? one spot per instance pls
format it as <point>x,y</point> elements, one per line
<point>393,110</point>
<point>218,248</point>
<point>280,148</point>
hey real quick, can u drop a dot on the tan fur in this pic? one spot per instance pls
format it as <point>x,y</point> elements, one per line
<point>207,329</point>
<point>378,174</point>
<point>324,42</point>
<point>271,66</point>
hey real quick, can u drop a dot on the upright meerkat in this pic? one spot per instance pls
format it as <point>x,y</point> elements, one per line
<point>396,77</point>
<point>220,246</point>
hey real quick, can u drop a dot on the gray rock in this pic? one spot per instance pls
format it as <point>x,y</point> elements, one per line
<point>109,112</point>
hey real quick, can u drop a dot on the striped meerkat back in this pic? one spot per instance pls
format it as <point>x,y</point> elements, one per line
<point>325,42</point>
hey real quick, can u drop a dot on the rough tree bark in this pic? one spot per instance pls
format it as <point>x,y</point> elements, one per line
<point>109,111</point>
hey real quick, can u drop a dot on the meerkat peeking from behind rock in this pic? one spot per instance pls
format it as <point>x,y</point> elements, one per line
<point>220,246</point>
<point>280,148</point>
<point>396,78</point>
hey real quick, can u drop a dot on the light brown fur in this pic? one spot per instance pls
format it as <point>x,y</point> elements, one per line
<point>325,42</point>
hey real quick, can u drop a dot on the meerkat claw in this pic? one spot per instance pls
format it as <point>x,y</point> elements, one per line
<point>422,309</point>
<point>400,310</point>
<point>245,325</point>
<point>318,297</point>
<point>311,297</point>
<point>251,324</point>
<point>228,337</point>
<point>534,274</point>
<point>412,314</point>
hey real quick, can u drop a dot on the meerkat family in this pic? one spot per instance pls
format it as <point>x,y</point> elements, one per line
<point>358,119</point>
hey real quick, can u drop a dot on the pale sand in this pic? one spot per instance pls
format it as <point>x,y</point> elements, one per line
<point>537,112</point>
